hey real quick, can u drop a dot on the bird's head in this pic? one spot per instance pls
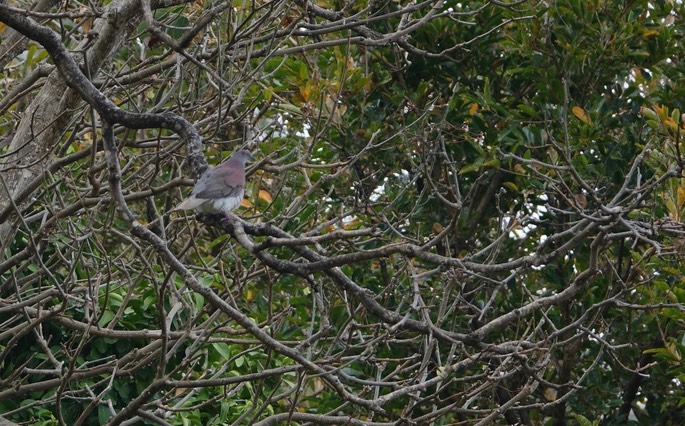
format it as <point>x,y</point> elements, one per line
<point>243,156</point>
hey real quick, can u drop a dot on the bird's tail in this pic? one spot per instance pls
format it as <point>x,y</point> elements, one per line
<point>189,203</point>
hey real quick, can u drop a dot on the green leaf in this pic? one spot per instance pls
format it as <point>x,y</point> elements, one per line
<point>106,317</point>
<point>223,349</point>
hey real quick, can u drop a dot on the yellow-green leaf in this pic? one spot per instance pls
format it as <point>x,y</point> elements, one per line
<point>649,114</point>
<point>264,195</point>
<point>511,185</point>
<point>581,114</point>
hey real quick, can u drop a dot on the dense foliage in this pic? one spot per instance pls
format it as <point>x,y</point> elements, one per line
<point>460,212</point>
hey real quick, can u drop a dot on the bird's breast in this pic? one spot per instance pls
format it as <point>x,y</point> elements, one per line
<point>225,205</point>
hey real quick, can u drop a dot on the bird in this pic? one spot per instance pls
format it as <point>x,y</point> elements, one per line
<point>220,189</point>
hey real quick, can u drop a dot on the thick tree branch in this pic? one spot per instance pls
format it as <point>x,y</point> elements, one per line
<point>76,79</point>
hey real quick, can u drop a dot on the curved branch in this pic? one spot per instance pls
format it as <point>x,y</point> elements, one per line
<point>77,80</point>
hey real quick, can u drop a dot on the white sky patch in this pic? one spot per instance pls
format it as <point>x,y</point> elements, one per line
<point>521,232</point>
<point>402,176</point>
<point>280,122</point>
<point>592,337</point>
<point>349,219</point>
<point>304,133</point>
<point>378,192</point>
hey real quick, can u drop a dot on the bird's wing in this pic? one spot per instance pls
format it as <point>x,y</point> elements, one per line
<point>212,187</point>
<point>200,184</point>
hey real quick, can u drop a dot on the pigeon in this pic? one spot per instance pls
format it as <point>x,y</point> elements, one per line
<point>220,189</point>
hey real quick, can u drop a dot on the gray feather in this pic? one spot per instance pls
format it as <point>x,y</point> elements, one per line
<point>220,188</point>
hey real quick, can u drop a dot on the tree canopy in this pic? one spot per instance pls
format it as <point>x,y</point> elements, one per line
<point>459,213</point>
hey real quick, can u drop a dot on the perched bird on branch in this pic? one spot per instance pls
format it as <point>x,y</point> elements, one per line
<point>220,189</point>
